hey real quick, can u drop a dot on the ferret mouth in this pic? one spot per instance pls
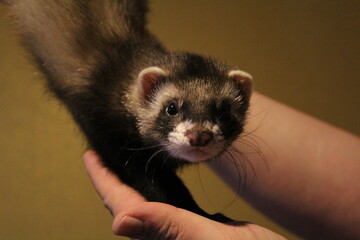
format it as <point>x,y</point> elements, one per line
<point>194,154</point>
<point>195,142</point>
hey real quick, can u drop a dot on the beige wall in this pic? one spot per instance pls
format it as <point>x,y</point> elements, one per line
<point>303,53</point>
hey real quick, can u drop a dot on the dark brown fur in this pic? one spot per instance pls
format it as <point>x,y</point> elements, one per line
<point>91,52</point>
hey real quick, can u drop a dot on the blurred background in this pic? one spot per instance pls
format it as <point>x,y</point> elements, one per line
<point>305,54</point>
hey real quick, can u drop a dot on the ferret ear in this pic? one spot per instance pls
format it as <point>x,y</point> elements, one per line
<point>244,79</point>
<point>148,79</point>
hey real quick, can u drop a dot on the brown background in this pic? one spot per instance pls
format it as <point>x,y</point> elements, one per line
<point>303,53</point>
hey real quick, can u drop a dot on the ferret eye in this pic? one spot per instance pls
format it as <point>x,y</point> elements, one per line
<point>172,109</point>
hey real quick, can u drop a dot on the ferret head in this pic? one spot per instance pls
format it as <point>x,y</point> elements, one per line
<point>193,117</point>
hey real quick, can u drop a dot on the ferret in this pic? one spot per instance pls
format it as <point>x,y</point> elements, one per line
<point>145,110</point>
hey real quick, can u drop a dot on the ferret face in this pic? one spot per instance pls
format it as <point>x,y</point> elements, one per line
<point>192,119</point>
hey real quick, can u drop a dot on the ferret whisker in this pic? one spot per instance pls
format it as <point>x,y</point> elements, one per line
<point>254,139</point>
<point>257,138</point>
<point>228,156</point>
<point>143,148</point>
<point>164,161</point>
<point>201,183</point>
<point>238,161</point>
<point>129,159</point>
<point>255,149</point>
<point>245,162</point>
<point>250,141</point>
<point>261,123</point>
<point>152,157</point>
<point>234,161</point>
<point>249,136</point>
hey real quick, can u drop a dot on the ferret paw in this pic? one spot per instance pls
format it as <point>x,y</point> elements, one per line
<point>218,217</point>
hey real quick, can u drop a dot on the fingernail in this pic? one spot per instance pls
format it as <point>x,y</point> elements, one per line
<point>131,227</point>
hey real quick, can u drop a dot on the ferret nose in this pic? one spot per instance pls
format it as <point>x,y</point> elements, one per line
<point>199,138</point>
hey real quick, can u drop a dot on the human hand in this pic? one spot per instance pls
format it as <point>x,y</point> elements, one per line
<point>134,217</point>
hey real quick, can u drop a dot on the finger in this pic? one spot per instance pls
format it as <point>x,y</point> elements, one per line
<point>134,217</point>
<point>115,194</point>
<point>156,221</point>
<point>152,220</point>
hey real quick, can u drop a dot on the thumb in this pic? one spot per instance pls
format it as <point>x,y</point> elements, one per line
<point>150,220</point>
<point>158,221</point>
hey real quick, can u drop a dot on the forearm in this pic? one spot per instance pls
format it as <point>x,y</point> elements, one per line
<point>308,180</point>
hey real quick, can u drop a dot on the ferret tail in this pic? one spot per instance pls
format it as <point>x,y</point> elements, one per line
<point>68,38</point>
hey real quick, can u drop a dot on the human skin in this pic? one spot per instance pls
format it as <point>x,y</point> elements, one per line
<point>308,173</point>
<point>136,218</point>
<point>306,178</point>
